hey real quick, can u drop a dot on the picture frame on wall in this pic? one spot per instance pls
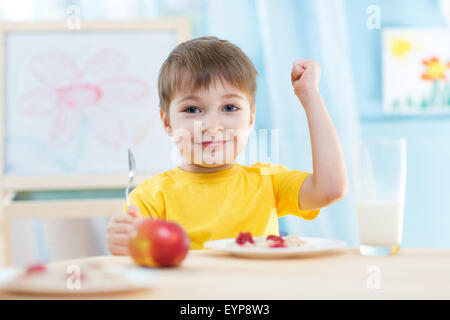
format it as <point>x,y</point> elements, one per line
<point>416,71</point>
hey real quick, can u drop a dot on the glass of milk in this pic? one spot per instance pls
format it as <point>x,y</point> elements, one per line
<point>379,173</point>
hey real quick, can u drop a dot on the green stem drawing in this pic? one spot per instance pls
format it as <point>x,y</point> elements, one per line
<point>446,98</point>
<point>434,91</point>
<point>44,150</point>
<point>438,97</point>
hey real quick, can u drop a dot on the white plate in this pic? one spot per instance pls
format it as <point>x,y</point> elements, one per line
<point>112,279</point>
<point>313,245</point>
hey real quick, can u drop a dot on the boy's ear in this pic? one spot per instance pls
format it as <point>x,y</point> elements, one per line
<point>166,122</point>
<point>253,117</point>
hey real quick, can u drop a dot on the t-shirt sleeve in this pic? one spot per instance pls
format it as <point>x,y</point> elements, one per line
<point>286,187</point>
<point>149,200</point>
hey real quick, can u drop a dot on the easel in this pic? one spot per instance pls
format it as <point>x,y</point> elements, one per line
<point>10,186</point>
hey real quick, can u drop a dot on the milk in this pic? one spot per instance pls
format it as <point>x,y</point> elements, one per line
<point>380,223</point>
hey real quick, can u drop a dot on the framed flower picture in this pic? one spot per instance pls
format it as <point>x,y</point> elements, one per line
<point>416,71</point>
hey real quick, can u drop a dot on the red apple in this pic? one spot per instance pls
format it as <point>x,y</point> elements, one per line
<point>158,243</point>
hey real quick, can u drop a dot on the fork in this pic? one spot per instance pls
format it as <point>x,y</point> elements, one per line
<point>283,233</point>
<point>131,174</point>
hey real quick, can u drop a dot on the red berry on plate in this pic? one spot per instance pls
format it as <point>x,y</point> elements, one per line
<point>275,238</point>
<point>277,245</point>
<point>244,237</point>
<point>36,268</point>
<point>275,241</point>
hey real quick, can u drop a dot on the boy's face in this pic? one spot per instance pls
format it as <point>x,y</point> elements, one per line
<point>222,113</point>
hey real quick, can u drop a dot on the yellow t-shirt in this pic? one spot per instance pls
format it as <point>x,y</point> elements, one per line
<point>219,205</point>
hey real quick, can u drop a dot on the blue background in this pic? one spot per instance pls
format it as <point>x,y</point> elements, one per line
<point>334,33</point>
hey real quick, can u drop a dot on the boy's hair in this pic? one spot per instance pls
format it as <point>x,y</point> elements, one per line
<point>197,63</point>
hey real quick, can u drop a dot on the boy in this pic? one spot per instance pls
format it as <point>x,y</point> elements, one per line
<point>207,89</point>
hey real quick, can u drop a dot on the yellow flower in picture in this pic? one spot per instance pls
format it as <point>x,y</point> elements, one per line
<point>435,69</point>
<point>400,47</point>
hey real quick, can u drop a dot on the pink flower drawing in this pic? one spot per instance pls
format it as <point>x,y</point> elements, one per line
<point>69,94</point>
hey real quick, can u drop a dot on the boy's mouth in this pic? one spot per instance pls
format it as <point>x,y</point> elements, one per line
<point>213,144</point>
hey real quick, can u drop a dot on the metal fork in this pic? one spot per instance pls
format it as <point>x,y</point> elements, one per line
<point>131,174</point>
<point>283,233</point>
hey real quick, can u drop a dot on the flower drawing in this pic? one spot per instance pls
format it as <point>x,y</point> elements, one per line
<point>70,95</point>
<point>435,69</point>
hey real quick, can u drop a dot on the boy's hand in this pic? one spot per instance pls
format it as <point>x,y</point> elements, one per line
<point>119,229</point>
<point>305,77</point>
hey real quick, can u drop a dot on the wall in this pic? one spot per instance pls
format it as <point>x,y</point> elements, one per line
<point>427,208</point>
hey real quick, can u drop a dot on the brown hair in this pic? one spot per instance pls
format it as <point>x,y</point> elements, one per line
<point>197,63</point>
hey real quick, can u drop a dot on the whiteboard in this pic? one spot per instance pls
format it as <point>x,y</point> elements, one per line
<point>75,101</point>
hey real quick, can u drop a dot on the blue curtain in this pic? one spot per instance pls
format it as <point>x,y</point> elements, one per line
<point>274,34</point>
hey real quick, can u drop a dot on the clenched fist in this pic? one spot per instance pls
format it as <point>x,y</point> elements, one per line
<point>305,77</point>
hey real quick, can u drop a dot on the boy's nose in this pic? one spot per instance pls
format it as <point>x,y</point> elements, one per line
<point>207,130</point>
<point>212,125</point>
<point>213,133</point>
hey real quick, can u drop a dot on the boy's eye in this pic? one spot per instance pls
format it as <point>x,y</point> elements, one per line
<point>190,108</point>
<point>228,107</point>
<point>231,105</point>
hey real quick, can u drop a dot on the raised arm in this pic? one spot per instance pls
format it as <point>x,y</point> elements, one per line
<point>329,181</point>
